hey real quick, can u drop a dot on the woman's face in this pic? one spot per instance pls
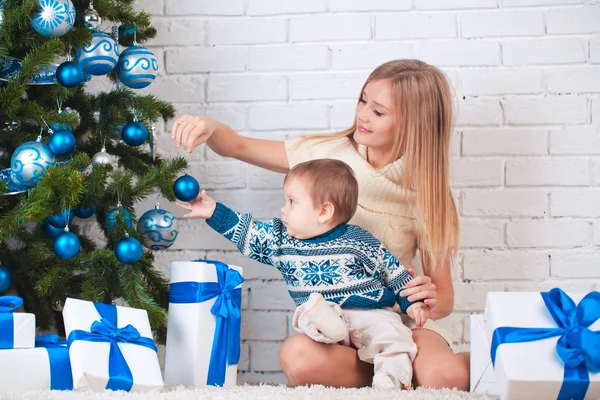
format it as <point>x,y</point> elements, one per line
<point>375,116</point>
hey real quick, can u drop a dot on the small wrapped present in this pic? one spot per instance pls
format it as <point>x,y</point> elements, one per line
<point>17,329</point>
<point>541,345</point>
<point>47,366</point>
<point>203,331</point>
<point>110,347</point>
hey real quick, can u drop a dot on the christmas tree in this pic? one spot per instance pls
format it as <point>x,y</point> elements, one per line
<point>67,154</point>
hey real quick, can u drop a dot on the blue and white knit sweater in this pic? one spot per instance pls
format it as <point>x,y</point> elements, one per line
<point>347,265</point>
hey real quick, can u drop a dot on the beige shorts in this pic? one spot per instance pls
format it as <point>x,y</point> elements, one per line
<point>430,325</point>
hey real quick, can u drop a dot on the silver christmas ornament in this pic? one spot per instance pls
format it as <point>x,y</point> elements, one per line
<point>102,158</point>
<point>91,18</point>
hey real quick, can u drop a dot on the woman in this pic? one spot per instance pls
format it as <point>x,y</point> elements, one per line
<point>398,147</point>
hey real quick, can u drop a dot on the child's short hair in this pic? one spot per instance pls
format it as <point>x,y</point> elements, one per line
<point>330,181</point>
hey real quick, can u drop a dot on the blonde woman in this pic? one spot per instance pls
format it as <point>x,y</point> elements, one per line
<point>398,147</point>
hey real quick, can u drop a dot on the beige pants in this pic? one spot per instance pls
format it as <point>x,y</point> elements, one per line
<point>379,336</point>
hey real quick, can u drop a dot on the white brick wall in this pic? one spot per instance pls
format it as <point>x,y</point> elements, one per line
<point>526,159</point>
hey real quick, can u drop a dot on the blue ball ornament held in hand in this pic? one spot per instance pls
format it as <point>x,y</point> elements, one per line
<point>159,227</point>
<point>69,74</point>
<point>66,245</point>
<point>186,188</point>
<point>128,250</point>
<point>29,162</point>
<point>5,279</point>
<point>85,212</point>
<point>111,218</point>
<point>135,134</point>
<point>62,142</point>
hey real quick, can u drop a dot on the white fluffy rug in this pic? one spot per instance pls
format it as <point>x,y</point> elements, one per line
<point>254,392</point>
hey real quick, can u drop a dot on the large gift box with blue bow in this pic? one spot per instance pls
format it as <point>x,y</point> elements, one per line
<point>203,331</point>
<point>110,347</point>
<point>531,345</point>
<point>17,329</point>
<point>47,366</point>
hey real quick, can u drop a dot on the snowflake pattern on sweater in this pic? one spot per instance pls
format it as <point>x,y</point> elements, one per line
<point>347,265</point>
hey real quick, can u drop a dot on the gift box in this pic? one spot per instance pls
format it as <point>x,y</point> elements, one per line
<point>538,345</point>
<point>17,329</point>
<point>46,366</point>
<point>110,347</point>
<point>203,329</point>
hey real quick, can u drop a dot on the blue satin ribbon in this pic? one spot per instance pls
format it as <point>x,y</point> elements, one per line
<point>106,330</point>
<point>61,377</point>
<point>8,304</point>
<point>226,341</point>
<point>578,346</point>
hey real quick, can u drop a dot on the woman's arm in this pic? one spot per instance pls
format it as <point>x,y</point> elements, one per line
<point>190,131</point>
<point>442,279</point>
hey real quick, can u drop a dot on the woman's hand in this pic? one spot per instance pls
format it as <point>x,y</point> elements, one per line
<point>202,206</point>
<point>420,288</point>
<point>190,131</point>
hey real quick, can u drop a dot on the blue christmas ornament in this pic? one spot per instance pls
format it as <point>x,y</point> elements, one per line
<point>5,279</point>
<point>69,74</point>
<point>137,67</point>
<point>85,212</point>
<point>100,56</point>
<point>55,18</point>
<point>29,162</point>
<point>62,143</point>
<point>134,133</point>
<point>1,13</point>
<point>49,230</point>
<point>128,250</point>
<point>186,188</point>
<point>111,218</point>
<point>61,220</point>
<point>66,245</point>
<point>63,126</point>
<point>159,227</point>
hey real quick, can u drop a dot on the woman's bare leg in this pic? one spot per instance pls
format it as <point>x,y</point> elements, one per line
<point>436,366</point>
<point>306,362</point>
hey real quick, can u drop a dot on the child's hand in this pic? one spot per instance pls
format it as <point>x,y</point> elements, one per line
<point>419,312</point>
<point>202,206</point>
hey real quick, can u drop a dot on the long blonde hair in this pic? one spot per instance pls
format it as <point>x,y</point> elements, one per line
<point>424,120</point>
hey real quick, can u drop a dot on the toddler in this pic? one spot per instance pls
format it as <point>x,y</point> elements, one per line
<point>342,279</point>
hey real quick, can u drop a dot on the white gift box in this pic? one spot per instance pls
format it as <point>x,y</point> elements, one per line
<point>23,331</point>
<point>191,330</point>
<point>524,370</point>
<point>28,369</point>
<point>90,360</point>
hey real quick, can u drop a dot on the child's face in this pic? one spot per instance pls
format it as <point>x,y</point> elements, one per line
<point>298,214</point>
<point>375,118</point>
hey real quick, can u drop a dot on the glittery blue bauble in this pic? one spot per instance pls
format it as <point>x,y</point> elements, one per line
<point>55,18</point>
<point>111,218</point>
<point>49,230</point>
<point>85,212</point>
<point>186,188</point>
<point>159,227</point>
<point>100,56</point>
<point>137,67</point>
<point>62,143</point>
<point>5,279</point>
<point>134,134</point>
<point>66,245</point>
<point>61,220</point>
<point>29,162</point>
<point>128,250</point>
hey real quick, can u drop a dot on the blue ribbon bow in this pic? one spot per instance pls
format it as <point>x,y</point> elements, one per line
<point>106,330</point>
<point>226,342</point>
<point>61,377</point>
<point>578,346</point>
<point>8,304</point>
